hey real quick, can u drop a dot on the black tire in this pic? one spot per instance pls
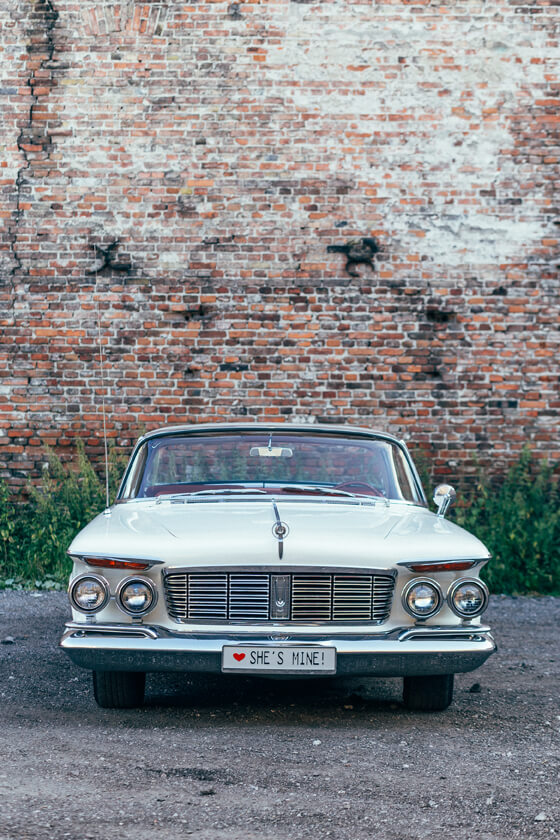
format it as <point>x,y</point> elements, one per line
<point>119,689</point>
<point>428,694</point>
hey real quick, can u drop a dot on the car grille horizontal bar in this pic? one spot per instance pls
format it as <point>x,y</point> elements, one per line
<point>248,596</point>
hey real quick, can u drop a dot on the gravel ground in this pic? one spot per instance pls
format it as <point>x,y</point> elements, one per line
<point>240,758</point>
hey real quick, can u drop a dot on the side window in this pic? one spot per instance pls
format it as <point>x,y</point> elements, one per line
<point>132,485</point>
<point>405,477</point>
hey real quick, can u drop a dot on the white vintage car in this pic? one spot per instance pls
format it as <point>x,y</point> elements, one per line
<point>281,550</point>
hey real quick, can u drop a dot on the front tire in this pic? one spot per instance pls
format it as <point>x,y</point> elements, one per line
<point>428,694</point>
<point>119,689</point>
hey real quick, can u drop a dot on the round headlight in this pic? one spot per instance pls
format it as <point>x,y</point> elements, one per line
<point>137,596</point>
<point>89,594</point>
<point>468,598</point>
<point>422,598</point>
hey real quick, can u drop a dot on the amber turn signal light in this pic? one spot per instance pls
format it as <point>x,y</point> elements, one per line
<point>457,566</point>
<point>107,563</point>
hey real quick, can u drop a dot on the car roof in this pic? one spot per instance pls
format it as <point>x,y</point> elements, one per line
<point>311,428</point>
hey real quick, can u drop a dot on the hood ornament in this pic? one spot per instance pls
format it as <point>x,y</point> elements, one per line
<point>280,530</point>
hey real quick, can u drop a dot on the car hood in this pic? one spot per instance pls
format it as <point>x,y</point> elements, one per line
<point>233,532</point>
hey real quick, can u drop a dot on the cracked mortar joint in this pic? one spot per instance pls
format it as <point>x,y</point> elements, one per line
<point>27,134</point>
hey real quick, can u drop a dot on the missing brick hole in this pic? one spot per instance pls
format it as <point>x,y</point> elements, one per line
<point>200,313</point>
<point>234,11</point>
<point>427,372</point>
<point>237,367</point>
<point>438,316</point>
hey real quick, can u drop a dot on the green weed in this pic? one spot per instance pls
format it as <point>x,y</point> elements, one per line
<point>35,533</point>
<point>518,519</point>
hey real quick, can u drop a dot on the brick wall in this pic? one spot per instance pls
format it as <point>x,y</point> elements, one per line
<point>204,158</point>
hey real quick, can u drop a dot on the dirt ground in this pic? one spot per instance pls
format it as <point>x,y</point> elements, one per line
<point>241,758</point>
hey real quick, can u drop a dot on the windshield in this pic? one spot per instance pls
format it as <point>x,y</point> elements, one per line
<point>270,462</point>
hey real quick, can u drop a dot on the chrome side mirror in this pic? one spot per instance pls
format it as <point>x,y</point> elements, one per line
<point>444,497</point>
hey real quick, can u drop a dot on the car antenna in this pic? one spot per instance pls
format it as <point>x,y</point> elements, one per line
<point>104,387</point>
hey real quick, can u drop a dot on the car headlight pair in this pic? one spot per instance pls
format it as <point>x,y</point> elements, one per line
<point>424,598</point>
<point>90,593</point>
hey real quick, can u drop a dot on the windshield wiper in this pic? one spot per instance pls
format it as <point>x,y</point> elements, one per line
<point>319,489</point>
<point>315,489</point>
<point>227,490</point>
<point>177,497</point>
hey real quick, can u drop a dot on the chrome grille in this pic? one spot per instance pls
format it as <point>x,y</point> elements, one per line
<point>249,597</point>
<point>206,596</point>
<point>352,597</point>
<point>246,596</point>
<point>312,597</point>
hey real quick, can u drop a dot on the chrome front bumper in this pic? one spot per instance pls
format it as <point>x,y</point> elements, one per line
<point>403,652</point>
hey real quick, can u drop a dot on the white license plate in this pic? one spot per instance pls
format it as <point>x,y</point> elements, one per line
<point>303,659</point>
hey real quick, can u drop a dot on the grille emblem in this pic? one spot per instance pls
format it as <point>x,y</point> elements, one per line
<point>280,592</point>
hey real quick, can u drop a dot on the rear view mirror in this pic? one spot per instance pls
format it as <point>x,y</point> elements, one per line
<point>271,452</point>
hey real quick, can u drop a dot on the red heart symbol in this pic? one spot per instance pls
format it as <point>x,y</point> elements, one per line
<point>239,656</point>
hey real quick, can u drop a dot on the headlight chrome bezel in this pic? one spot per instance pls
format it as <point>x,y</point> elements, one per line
<point>461,582</point>
<point>136,579</point>
<point>427,582</point>
<point>98,579</point>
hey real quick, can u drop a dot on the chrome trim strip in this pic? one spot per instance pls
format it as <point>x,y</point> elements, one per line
<point>276,428</point>
<point>276,634</point>
<point>272,623</point>
<point>278,570</point>
<point>474,632</point>
<point>359,501</point>
<point>278,530</point>
<point>120,630</point>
